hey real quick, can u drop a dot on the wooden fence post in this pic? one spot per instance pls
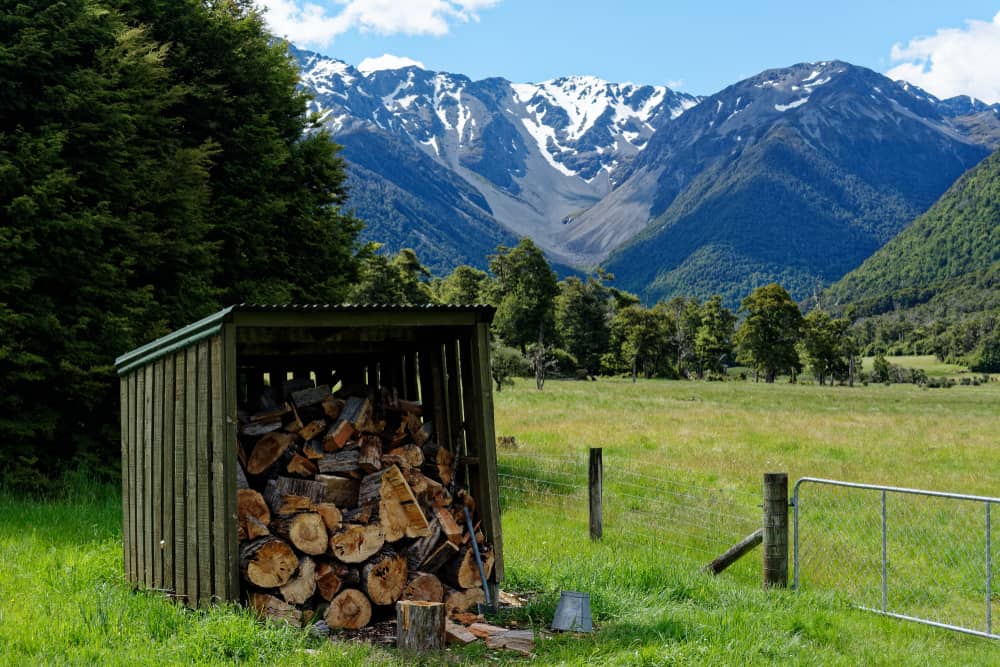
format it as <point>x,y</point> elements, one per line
<point>775,540</point>
<point>595,486</point>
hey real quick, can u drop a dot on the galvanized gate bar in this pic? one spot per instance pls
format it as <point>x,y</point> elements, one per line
<point>884,491</point>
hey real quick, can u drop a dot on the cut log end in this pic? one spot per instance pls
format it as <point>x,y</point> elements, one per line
<point>267,562</point>
<point>349,610</point>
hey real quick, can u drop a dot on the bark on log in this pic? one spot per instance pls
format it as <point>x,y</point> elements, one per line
<point>267,562</point>
<point>370,453</point>
<point>340,462</point>
<point>458,634</point>
<point>383,577</point>
<point>312,429</point>
<point>255,430</point>
<point>357,543</point>
<point>398,509</point>
<point>255,528</point>
<point>350,610</point>
<point>462,570</point>
<point>310,396</point>
<point>270,607</point>
<point>311,489</point>
<point>300,465</point>
<point>423,586</point>
<point>306,531</point>
<point>420,626</point>
<point>267,451</point>
<point>303,584</point>
<point>338,435</point>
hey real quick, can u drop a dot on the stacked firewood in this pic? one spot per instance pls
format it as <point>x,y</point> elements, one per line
<point>347,503</point>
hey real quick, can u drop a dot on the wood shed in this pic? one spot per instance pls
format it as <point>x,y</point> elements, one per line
<point>181,397</point>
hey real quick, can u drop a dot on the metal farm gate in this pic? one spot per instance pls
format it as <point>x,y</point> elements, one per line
<point>917,555</point>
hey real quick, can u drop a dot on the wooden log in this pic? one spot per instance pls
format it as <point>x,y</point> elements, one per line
<point>272,415</point>
<point>423,434</point>
<point>451,528</point>
<point>267,451</point>
<point>338,435</point>
<point>313,450</point>
<point>484,630</point>
<point>443,553</point>
<point>267,562</point>
<point>735,552</point>
<point>398,509</point>
<point>340,462</point>
<point>775,530</point>
<point>418,552</point>
<point>241,475</point>
<point>289,387</point>
<point>296,424</point>
<point>349,610</point>
<point>300,465</point>
<point>355,543</point>
<point>522,641</point>
<point>257,429</point>
<point>306,531</point>
<point>438,463</point>
<point>332,516</point>
<point>383,577</point>
<point>311,489</point>
<point>357,412</point>
<point>370,453</point>
<point>332,407</point>
<point>310,396</point>
<point>411,456</point>
<point>255,528</point>
<point>302,585</point>
<point>271,608</point>
<point>423,586</point>
<point>332,577</point>
<point>249,503</point>
<point>341,491</point>
<point>462,571</point>
<point>458,634</point>
<point>312,429</point>
<point>457,601</point>
<point>420,626</point>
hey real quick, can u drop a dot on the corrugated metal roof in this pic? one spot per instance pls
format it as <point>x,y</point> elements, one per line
<point>212,325</point>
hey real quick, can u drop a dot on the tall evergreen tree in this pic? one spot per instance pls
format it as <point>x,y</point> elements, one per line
<point>713,342</point>
<point>768,338</point>
<point>523,289</point>
<point>582,319</point>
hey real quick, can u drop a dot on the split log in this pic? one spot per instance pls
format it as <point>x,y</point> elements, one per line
<point>357,543</point>
<point>249,503</point>
<point>443,553</point>
<point>313,450</point>
<point>484,630</point>
<point>332,516</point>
<point>295,425</point>
<point>340,462</point>
<point>255,528</point>
<point>383,577</point>
<point>272,415</point>
<point>341,491</point>
<point>451,528</point>
<point>462,570</point>
<point>331,578</point>
<point>257,429</point>
<point>300,465</point>
<point>429,492</point>
<point>338,435</point>
<point>357,411</point>
<point>438,463</point>
<point>398,510</point>
<point>423,586</point>
<point>350,610</point>
<point>270,607</point>
<point>407,456</point>
<point>332,407</point>
<point>458,634</point>
<point>310,396</point>
<point>305,530</point>
<point>457,601</point>
<point>241,475</point>
<point>312,429</point>
<point>422,435</point>
<point>301,586</point>
<point>418,552</point>
<point>293,486</point>
<point>370,453</point>
<point>267,562</point>
<point>522,641</point>
<point>289,387</point>
<point>420,626</point>
<point>267,451</point>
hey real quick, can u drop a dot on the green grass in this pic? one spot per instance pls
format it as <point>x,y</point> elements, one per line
<point>62,599</point>
<point>934,367</point>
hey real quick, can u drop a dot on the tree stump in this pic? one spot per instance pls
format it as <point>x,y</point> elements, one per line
<point>420,626</point>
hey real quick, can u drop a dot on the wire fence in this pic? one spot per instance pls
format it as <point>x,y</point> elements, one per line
<point>692,520</point>
<point>920,555</point>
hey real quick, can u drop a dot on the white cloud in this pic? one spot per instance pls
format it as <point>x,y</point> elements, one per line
<point>387,61</point>
<point>676,84</point>
<point>311,23</point>
<point>953,61</point>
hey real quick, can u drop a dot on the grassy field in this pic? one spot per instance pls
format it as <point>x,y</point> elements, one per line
<point>62,600</point>
<point>934,367</point>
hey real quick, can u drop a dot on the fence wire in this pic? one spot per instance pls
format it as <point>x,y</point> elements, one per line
<point>928,558</point>
<point>686,517</point>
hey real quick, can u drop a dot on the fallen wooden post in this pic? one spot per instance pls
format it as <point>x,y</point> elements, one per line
<point>735,552</point>
<point>420,626</point>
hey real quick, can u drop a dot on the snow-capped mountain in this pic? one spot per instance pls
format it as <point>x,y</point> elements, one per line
<point>795,175</point>
<point>538,154</point>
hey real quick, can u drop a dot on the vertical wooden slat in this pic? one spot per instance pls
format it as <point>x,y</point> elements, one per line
<point>140,471</point>
<point>442,414</point>
<point>220,537</point>
<point>180,476</point>
<point>134,447</point>
<point>488,503</point>
<point>168,473</point>
<point>156,470</point>
<point>455,406</point>
<point>147,467</point>
<point>191,474</point>
<point>230,439</point>
<point>410,376</point>
<point>425,365</point>
<point>204,476</point>
<point>123,403</point>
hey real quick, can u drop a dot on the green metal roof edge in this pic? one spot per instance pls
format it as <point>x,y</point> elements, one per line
<point>172,342</point>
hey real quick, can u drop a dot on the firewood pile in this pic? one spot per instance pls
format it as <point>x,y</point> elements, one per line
<point>347,503</point>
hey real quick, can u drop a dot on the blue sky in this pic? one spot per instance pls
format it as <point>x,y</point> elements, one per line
<point>948,47</point>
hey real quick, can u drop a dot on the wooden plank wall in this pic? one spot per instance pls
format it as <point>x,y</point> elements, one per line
<point>179,533</point>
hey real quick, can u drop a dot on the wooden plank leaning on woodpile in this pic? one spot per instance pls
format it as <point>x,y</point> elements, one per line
<point>348,502</point>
